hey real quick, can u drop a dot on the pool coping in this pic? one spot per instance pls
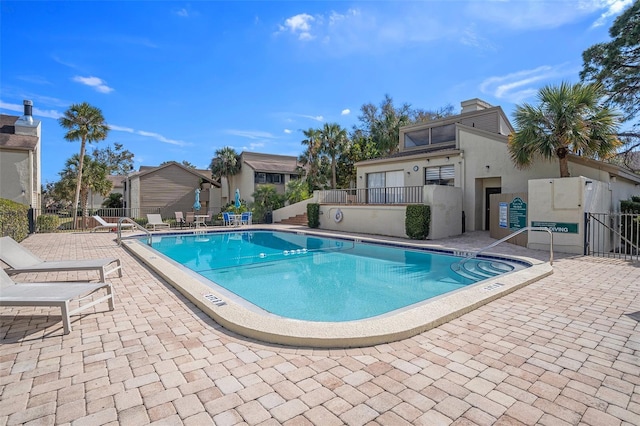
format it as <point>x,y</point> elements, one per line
<point>387,328</point>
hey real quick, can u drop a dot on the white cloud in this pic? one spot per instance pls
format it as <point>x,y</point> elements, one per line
<point>144,133</point>
<point>299,25</point>
<point>534,14</point>
<point>251,134</point>
<point>95,82</point>
<point>346,111</point>
<point>520,85</point>
<point>184,13</point>
<point>614,7</point>
<point>312,117</point>
<point>287,131</point>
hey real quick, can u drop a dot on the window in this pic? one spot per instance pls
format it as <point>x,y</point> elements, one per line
<point>445,134</point>
<point>269,178</point>
<point>385,187</point>
<point>443,175</point>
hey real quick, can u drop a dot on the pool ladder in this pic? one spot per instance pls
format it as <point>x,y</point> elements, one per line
<point>457,266</point>
<point>135,225</point>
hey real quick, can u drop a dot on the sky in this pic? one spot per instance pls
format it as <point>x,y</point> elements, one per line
<point>177,81</point>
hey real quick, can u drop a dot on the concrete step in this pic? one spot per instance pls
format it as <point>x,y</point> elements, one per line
<point>300,219</point>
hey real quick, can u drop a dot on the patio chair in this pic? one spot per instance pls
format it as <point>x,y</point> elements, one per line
<point>191,219</point>
<point>245,219</point>
<point>226,219</point>
<point>180,219</point>
<point>57,294</point>
<point>21,260</point>
<point>155,221</point>
<point>112,226</point>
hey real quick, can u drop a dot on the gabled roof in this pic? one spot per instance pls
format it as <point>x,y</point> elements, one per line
<point>8,138</point>
<point>204,174</point>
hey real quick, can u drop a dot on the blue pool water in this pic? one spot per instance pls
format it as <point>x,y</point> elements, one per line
<point>320,279</point>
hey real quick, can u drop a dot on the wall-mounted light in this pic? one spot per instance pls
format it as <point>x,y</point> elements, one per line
<point>360,177</point>
<point>488,167</point>
<point>408,172</point>
<point>447,158</point>
<point>427,160</point>
<point>589,185</point>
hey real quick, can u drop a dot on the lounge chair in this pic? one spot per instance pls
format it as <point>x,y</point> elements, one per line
<point>155,220</point>
<point>21,260</point>
<point>56,294</point>
<point>110,225</point>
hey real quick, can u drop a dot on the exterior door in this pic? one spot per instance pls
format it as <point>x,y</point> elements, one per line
<point>487,206</point>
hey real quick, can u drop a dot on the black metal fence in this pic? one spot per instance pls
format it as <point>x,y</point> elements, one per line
<point>386,195</point>
<point>614,235</point>
<point>61,220</point>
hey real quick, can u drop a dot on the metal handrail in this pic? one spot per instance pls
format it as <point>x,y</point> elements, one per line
<point>520,231</point>
<point>136,225</point>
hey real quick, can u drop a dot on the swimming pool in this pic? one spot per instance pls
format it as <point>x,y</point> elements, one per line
<point>237,315</point>
<point>314,278</point>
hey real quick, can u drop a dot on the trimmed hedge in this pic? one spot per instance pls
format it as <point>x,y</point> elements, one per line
<point>417,221</point>
<point>47,222</point>
<point>313,215</point>
<point>632,206</point>
<point>14,221</point>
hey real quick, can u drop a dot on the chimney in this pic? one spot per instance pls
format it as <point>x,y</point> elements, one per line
<point>26,125</point>
<point>474,104</point>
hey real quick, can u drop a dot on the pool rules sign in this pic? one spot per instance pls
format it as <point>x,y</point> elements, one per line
<point>517,214</point>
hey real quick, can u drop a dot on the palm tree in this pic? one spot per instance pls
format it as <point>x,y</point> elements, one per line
<point>334,139</point>
<point>93,179</point>
<point>86,124</point>
<point>311,156</point>
<point>225,164</point>
<point>569,119</point>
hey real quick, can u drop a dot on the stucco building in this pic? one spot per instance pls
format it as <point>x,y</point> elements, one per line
<point>20,164</point>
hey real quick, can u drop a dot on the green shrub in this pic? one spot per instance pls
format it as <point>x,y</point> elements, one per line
<point>13,219</point>
<point>632,206</point>
<point>417,221</point>
<point>635,198</point>
<point>313,215</point>
<point>47,223</point>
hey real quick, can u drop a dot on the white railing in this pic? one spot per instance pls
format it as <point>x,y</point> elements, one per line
<point>385,195</point>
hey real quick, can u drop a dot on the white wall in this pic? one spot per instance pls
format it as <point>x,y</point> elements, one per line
<point>379,220</point>
<point>15,176</point>
<point>446,210</point>
<point>564,200</point>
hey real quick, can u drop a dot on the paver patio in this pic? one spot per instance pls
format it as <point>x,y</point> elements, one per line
<point>560,351</point>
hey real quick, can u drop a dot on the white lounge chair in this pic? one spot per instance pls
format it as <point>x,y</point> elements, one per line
<point>155,220</point>
<point>21,260</point>
<point>57,294</point>
<point>110,225</point>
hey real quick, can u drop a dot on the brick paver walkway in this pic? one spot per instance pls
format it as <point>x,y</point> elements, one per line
<point>560,351</point>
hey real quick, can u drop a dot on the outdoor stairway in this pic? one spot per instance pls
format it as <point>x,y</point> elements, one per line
<point>300,220</point>
<point>478,270</point>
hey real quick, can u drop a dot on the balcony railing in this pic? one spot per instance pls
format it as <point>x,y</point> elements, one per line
<point>386,195</point>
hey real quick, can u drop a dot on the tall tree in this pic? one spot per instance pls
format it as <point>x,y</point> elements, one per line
<point>334,142</point>
<point>93,179</point>
<point>225,164</point>
<point>568,119</point>
<point>185,163</point>
<point>383,123</point>
<point>119,161</point>
<point>84,123</point>
<point>616,64</point>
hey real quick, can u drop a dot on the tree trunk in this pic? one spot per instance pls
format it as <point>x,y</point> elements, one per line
<point>562,153</point>
<point>334,182</point>
<point>79,183</point>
